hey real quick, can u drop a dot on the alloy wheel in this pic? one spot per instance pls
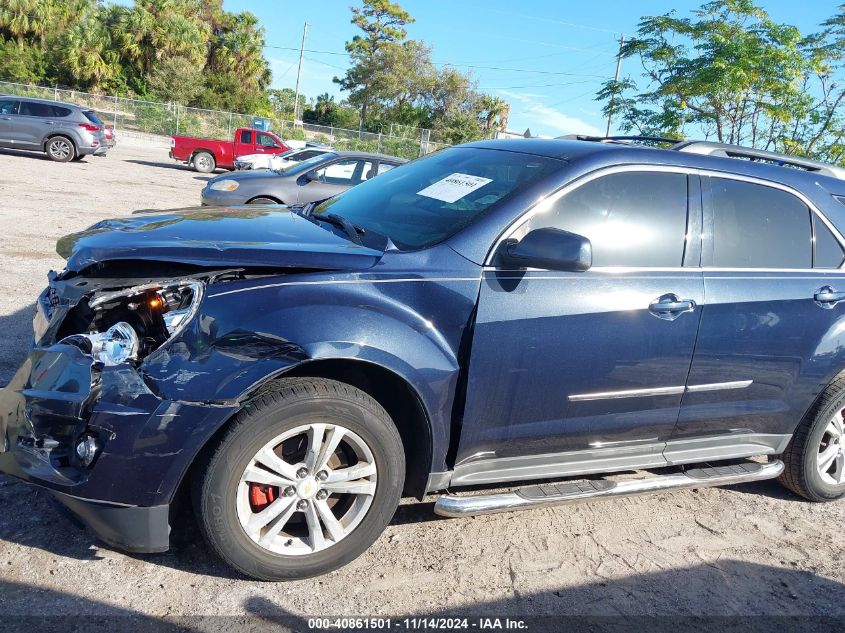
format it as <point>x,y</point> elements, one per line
<point>830,460</point>
<point>307,489</point>
<point>60,148</point>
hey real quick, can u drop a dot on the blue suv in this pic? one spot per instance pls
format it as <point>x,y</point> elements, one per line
<point>497,312</point>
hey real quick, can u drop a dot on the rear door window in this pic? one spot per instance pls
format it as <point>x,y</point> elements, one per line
<point>8,106</point>
<point>246,137</point>
<point>755,226</point>
<point>59,112</point>
<point>631,218</point>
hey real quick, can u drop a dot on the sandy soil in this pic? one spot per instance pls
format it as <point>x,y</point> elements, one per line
<point>746,550</point>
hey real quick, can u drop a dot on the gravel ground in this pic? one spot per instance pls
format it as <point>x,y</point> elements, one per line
<point>746,550</point>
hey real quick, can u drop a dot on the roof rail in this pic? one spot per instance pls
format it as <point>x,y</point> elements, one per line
<point>626,140</point>
<point>708,148</point>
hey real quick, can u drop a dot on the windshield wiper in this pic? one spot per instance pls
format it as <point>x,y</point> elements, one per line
<point>338,220</point>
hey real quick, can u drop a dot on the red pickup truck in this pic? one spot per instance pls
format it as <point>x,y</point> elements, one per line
<point>205,155</point>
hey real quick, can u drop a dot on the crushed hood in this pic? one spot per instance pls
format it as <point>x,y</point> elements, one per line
<point>236,236</point>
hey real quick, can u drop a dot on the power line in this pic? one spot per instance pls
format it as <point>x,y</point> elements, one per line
<point>456,64</point>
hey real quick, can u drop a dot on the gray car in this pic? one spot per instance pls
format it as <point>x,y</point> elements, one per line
<point>64,131</point>
<point>311,180</point>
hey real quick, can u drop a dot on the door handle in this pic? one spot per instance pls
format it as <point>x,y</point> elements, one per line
<point>669,307</point>
<point>828,297</point>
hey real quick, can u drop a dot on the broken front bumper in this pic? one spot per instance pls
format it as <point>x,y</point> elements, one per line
<point>144,443</point>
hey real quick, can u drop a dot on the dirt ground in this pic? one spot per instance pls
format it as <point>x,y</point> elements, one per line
<point>747,550</point>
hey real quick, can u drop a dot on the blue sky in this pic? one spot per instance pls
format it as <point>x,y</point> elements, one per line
<point>545,57</point>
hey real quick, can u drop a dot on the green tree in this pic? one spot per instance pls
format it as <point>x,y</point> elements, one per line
<point>281,102</point>
<point>729,71</point>
<point>382,22</point>
<point>86,55</point>
<point>176,79</point>
<point>495,113</point>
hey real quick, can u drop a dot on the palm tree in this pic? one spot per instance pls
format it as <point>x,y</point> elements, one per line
<point>86,53</point>
<point>495,113</point>
<point>19,17</point>
<point>239,48</point>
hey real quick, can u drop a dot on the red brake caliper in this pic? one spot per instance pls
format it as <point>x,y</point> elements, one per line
<point>261,496</point>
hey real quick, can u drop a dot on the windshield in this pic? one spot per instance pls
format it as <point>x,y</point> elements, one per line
<point>430,199</point>
<point>303,166</point>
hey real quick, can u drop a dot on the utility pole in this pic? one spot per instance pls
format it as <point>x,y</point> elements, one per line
<point>615,78</point>
<point>299,71</point>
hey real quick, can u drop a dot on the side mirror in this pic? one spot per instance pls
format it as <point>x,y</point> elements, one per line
<point>312,176</point>
<point>551,249</point>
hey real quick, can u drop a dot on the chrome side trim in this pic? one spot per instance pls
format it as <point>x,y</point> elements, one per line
<point>547,496</point>
<point>627,393</point>
<point>718,386</point>
<point>633,456</point>
<point>550,465</point>
<point>734,446</point>
<point>659,391</point>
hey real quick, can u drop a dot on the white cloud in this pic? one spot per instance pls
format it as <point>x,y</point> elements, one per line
<point>530,107</point>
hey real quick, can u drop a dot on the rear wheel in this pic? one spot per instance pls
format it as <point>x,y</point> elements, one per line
<point>60,149</point>
<point>815,458</point>
<point>204,162</point>
<point>305,479</point>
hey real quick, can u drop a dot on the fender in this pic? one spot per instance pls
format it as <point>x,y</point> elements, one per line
<point>245,335</point>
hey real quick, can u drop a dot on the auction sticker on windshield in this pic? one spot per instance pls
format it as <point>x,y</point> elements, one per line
<point>453,187</point>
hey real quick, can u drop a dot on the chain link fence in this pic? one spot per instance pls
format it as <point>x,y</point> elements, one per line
<point>166,119</point>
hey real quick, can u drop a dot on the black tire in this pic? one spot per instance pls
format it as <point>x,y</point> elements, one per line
<point>287,404</point>
<point>801,473</point>
<point>263,200</point>
<point>60,149</point>
<point>204,162</point>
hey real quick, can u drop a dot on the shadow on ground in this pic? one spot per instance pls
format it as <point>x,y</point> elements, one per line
<point>746,597</point>
<point>16,329</point>
<point>173,165</point>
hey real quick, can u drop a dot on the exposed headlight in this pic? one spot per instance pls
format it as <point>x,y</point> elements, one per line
<point>131,323</point>
<point>226,184</point>
<point>116,345</point>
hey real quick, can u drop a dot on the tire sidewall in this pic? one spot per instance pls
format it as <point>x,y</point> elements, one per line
<point>219,507</point>
<point>815,484</point>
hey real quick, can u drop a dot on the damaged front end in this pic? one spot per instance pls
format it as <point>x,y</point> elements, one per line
<point>79,417</point>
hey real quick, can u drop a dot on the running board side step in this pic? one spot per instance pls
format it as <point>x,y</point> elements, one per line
<point>546,495</point>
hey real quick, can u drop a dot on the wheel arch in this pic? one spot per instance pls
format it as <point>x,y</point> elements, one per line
<point>392,391</point>
<point>273,198</point>
<point>199,150</point>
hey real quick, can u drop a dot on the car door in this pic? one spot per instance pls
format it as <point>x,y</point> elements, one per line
<point>264,144</point>
<point>576,371</point>
<point>332,179</point>
<point>771,327</point>
<point>244,143</point>
<point>32,125</point>
<point>8,109</point>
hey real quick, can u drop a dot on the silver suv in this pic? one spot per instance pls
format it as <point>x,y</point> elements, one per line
<point>63,130</point>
